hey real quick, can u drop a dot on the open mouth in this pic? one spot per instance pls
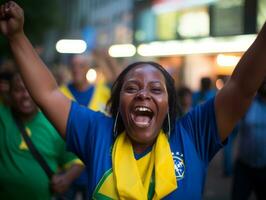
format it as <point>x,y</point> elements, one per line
<point>142,116</point>
<point>26,103</point>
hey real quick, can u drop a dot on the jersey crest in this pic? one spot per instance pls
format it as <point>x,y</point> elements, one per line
<point>179,165</point>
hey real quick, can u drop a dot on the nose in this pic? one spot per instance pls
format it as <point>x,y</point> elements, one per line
<point>143,94</point>
<point>26,93</point>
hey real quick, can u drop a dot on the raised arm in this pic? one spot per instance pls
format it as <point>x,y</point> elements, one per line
<point>234,99</point>
<point>37,78</point>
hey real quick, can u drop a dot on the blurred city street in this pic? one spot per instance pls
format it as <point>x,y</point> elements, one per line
<point>217,187</point>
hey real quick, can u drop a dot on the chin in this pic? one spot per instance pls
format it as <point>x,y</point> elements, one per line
<point>28,111</point>
<point>143,137</point>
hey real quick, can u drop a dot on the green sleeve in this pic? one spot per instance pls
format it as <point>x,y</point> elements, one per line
<point>67,158</point>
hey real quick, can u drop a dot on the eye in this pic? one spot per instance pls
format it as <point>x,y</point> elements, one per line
<point>156,90</point>
<point>131,89</point>
<point>17,89</point>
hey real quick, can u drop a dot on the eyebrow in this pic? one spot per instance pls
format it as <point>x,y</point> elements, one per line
<point>136,81</point>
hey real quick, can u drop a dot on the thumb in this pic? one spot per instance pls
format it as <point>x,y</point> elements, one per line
<point>55,179</point>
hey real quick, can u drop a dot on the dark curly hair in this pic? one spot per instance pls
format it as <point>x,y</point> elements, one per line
<point>113,102</point>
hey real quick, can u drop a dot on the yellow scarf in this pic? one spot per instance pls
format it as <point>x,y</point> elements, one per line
<point>128,181</point>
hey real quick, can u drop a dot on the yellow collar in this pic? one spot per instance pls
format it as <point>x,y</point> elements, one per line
<point>127,178</point>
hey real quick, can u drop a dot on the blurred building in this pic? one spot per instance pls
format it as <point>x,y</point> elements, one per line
<point>192,38</point>
<point>100,23</point>
<point>197,38</point>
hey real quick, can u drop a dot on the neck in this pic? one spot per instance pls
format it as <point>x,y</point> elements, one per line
<point>25,117</point>
<point>140,148</point>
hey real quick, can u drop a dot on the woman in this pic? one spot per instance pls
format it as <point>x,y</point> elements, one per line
<point>140,152</point>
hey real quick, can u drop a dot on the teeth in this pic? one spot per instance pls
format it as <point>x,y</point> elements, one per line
<point>143,109</point>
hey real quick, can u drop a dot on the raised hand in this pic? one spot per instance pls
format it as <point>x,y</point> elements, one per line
<point>11,19</point>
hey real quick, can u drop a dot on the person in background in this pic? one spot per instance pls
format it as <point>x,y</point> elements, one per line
<point>206,92</point>
<point>20,173</point>
<point>228,154</point>
<point>250,168</point>
<point>94,96</point>
<point>61,73</point>
<point>108,66</point>
<point>4,86</point>
<point>6,68</point>
<point>228,150</point>
<point>184,97</point>
<point>140,151</point>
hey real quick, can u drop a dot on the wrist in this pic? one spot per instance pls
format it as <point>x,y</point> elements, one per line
<point>14,38</point>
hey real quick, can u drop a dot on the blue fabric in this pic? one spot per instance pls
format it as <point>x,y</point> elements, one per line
<point>83,97</point>
<point>193,143</point>
<point>200,97</point>
<point>252,142</point>
<point>140,155</point>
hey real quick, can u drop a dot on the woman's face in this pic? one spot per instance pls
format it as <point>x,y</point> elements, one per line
<point>20,99</point>
<point>143,104</point>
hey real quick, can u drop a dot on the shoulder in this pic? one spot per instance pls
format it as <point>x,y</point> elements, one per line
<point>4,109</point>
<point>82,114</point>
<point>40,123</point>
<point>198,120</point>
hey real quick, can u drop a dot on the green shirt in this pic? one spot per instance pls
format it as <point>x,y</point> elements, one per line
<point>21,176</point>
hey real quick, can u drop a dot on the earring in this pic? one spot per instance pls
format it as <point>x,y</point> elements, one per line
<point>115,124</point>
<point>169,126</point>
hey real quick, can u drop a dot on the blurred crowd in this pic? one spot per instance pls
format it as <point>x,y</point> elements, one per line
<point>69,180</point>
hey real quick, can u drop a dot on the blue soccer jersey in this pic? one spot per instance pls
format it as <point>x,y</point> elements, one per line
<point>193,142</point>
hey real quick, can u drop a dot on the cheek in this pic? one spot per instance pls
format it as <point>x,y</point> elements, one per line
<point>15,101</point>
<point>15,96</point>
<point>163,102</point>
<point>122,105</point>
<point>163,109</point>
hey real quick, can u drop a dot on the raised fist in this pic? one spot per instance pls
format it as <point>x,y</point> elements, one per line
<point>11,19</point>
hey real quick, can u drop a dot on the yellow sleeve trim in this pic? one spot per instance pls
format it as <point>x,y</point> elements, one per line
<point>64,89</point>
<point>100,97</point>
<point>73,162</point>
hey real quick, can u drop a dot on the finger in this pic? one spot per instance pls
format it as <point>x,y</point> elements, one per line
<point>6,5</point>
<point>2,15</point>
<point>10,7</point>
<point>54,180</point>
<point>16,10</point>
<point>11,4</point>
<point>57,180</point>
<point>12,10</point>
<point>3,11</point>
<point>54,188</point>
<point>20,11</point>
<point>6,10</point>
